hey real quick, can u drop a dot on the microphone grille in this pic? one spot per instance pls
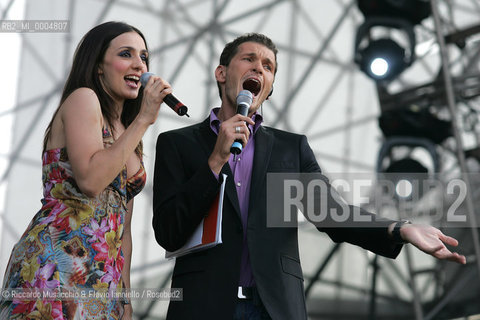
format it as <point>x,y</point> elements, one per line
<point>244,96</point>
<point>144,78</point>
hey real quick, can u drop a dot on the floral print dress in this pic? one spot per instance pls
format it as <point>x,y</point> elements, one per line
<point>73,244</point>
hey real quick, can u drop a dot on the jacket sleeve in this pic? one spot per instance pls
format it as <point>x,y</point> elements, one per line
<point>371,235</point>
<point>182,195</point>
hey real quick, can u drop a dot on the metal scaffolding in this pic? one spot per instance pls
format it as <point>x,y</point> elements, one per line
<point>319,91</point>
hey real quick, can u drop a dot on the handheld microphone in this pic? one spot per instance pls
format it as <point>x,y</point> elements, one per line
<point>169,99</point>
<point>244,100</point>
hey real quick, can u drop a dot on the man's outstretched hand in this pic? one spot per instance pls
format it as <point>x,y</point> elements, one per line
<point>431,241</point>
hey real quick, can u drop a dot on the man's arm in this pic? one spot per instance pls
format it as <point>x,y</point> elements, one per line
<point>181,198</point>
<point>372,235</point>
<point>377,236</point>
<point>186,181</point>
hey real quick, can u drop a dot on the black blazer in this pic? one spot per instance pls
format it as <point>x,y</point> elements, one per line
<point>184,188</point>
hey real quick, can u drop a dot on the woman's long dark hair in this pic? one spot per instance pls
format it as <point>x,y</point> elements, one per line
<point>84,73</point>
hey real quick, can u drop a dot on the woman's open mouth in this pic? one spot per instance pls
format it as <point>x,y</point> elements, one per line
<point>132,81</point>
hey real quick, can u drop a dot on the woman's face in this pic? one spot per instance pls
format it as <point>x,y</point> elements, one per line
<point>124,62</point>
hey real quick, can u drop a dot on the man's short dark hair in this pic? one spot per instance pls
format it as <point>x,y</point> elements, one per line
<point>231,49</point>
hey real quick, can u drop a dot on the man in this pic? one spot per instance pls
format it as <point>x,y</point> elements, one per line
<point>255,273</point>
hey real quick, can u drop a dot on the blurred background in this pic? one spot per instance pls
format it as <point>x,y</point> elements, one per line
<point>377,86</point>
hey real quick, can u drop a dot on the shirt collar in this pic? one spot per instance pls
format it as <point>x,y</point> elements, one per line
<point>215,122</point>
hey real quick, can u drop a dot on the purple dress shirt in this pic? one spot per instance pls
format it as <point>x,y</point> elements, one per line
<point>242,173</point>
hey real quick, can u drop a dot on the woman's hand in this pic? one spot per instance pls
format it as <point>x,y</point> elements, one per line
<point>153,94</point>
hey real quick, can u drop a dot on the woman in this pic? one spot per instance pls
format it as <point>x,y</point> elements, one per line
<point>80,240</point>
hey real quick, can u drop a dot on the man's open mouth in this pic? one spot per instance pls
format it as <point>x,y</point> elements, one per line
<point>252,85</point>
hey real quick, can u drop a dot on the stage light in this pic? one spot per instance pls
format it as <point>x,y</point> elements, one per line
<point>379,67</point>
<point>407,168</point>
<point>412,10</point>
<point>416,123</point>
<point>404,188</point>
<point>383,58</point>
<point>408,176</point>
<point>391,56</point>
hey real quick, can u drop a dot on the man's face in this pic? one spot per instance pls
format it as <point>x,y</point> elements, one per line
<point>252,69</point>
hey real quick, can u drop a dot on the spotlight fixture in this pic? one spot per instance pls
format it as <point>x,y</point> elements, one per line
<point>415,122</point>
<point>412,10</point>
<point>383,58</point>
<point>408,176</point>
<point>402,164</point>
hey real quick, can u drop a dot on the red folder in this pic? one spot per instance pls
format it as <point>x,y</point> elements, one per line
<point>209,232</point>
<point>210,223</point>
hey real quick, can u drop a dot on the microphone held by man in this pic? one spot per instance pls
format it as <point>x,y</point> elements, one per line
<point>244,100</point>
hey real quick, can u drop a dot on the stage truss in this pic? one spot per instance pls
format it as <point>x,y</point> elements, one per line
<point>319,92</point>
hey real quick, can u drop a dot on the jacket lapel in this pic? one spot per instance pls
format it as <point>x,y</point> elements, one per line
<point>263,149</point>
<point>207,138</point>
<point>230,189</point>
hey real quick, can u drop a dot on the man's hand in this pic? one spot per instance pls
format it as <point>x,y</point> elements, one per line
<point>431,241</point>
<point>227,134</point>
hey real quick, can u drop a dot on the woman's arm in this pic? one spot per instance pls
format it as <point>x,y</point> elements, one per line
<point>127,255</point>
<point>93,166</point>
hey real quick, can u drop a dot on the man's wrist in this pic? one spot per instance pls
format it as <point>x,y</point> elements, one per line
<point>396,236</point>
<point>215,164</point>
